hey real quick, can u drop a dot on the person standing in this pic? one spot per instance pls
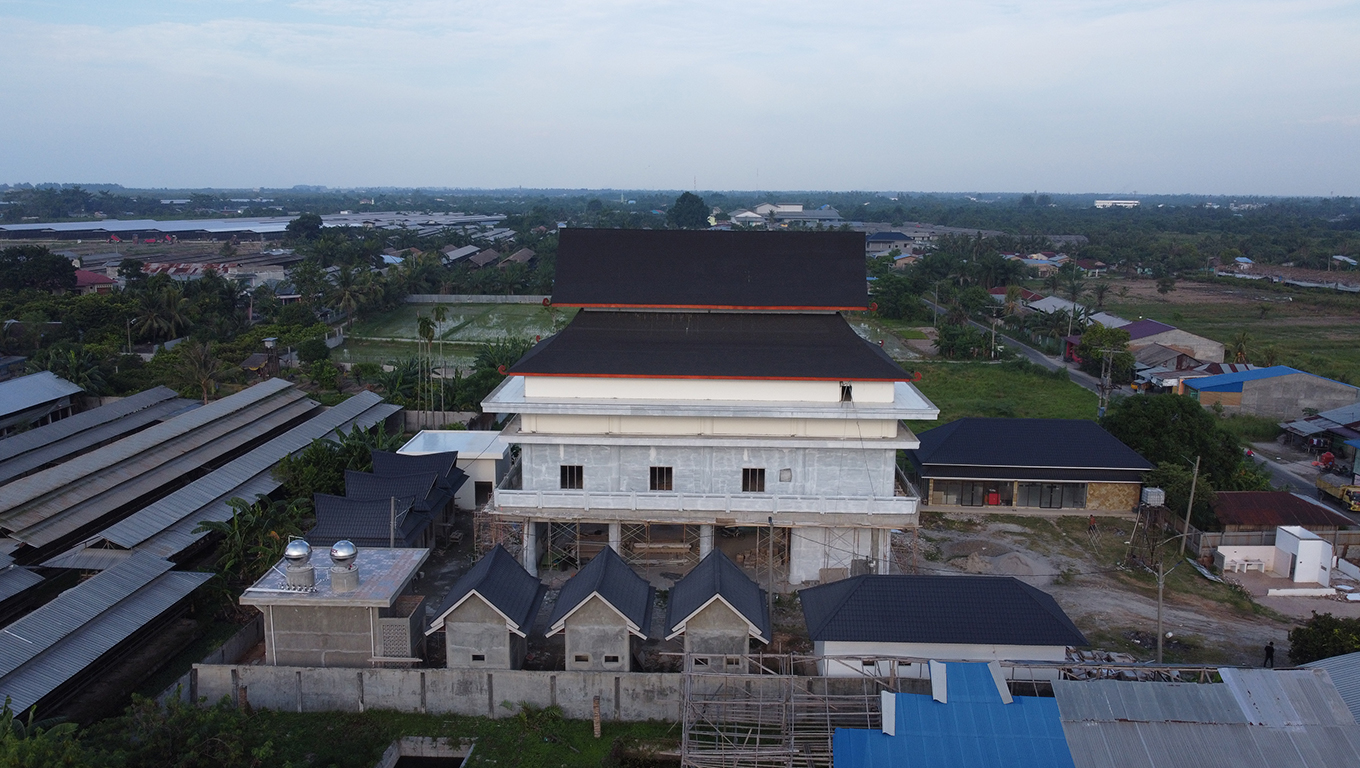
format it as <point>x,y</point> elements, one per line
<point>1270,655</point>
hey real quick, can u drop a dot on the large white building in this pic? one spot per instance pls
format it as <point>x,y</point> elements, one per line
<point>709,383</point>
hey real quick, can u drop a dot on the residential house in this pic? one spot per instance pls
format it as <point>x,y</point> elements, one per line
<point>1268,510</point>
<point>1051,304</point>
<point>746,218</point>
<point>1108,320</point>
<point>1277,392</point>
<point>1027,463</point>
<point>488,256</point>
<point>449,477</point>
<point>718,610</point>
<point>341,608</point>
<point>603,611</point>
<point>968,720</point>
<point>657,423</point>
<point>428,497</point>
<point>481,455</point>
<point>453,254</point>
<point>487,616</point>
<point>1145,333</point>
<point>1027,296</point>
<point>880,243</point>
<point>385,522</point>
<point>93,282</point>
<point>881,625</point>
<point>522,256</point>
<point>1091,267</point>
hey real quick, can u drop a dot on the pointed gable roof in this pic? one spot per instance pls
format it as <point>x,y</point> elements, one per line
<point>609,578</point>
<point>444,464</point>
<point>718,578</point>
<point>504,585</point>
<point>421,487</point>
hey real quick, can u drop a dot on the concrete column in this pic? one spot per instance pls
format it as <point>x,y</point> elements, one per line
<point>705,540</point>
<point>616,537</point>
<point>529,556</point>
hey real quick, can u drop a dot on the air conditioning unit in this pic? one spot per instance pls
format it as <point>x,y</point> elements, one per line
<point>1154,497</point>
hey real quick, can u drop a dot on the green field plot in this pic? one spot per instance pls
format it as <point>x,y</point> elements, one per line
<point>1006,390</point>
<point>467,323</point>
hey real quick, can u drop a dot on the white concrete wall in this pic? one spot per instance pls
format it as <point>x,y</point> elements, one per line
<point>812,549</point>
<point>577,387</point>
<point>1265,554</point>
<point>478,471</point>
<point>936,651</point>
<point>1312,555</point>
<point>848,471</point>
<point>836,429</point>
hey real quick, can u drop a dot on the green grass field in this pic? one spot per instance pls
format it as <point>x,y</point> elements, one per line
<point>1000,390</point>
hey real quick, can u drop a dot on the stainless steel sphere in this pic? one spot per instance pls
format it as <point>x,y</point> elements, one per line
<point>343,553</point>
<point>298,552</point>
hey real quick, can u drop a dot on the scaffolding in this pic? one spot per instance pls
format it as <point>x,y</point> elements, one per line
<point>490,529</point>
<point>780,711</point>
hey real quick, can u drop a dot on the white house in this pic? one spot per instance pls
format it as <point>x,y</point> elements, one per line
<point>871,623</point>
<point>482,454</point>
<point>709,382</point>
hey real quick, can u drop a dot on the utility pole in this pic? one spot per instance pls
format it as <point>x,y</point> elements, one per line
<point>1190,505</point>
<point>1161,586</point>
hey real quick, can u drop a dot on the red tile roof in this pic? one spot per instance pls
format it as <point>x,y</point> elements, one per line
<point>85,278</point>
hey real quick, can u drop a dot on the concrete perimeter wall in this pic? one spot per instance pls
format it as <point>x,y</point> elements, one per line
<point>632,697</point>
<point>465,298</point>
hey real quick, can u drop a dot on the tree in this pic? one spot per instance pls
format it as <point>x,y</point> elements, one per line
<point>30,743</point>
<point>33,266</point>
<point>440,314</point>
<point>1099,290</point>
<point>313,349</point>
<point>181,734</point>
<point>1075,285</point>
<point>1175,480</point>
<point>688,212</point>
<point>1241,341</point>
<point>1322,637</point>
<point>306,227</point>
<point>197,367</point>
<point>1175,429</point>
<point>75,364</point>
<point>133,272</point>
<point>352,290</point>
<point>1097,343</point>
<point>1166,285</point>
<point>163,313</point>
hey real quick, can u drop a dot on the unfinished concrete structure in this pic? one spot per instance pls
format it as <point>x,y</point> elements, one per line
<point>357,612</point>
<point>602,610</point>
<point>718,609</point>
<point>709,382</point>
<point>487,617</point>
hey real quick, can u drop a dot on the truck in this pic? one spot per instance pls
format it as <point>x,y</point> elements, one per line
<point>1341,488</point>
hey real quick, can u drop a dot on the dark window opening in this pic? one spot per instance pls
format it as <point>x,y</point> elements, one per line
<point>847,393</point>
<point>479,657</point>
<point>700,661</point>
<point>662,479</point>
<point>611,659</point>
<point>582,658</point>
<point>573,476</point>
<point>753,480</point>
<point>482,492</point>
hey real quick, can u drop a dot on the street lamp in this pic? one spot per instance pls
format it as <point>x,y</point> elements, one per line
<point>1161,573</point>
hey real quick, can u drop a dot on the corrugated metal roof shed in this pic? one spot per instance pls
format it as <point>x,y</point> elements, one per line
<point>45,435</point>
<point>1345,672</point>
<point>33,390</point>
<point>1275,508</point>
<point>167,527</point>
<point>14,580</point>
<point>1255,719</point>
<point>47,648</point>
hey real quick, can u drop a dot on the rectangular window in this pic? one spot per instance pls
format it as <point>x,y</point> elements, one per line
<point>582,658</point>
<point>479,657</point>
<point>753,480</point>
<point>573,476</point>
<point>847,393</point>
<point>700,661</point>
<point>661,479</point>
<point>1052,495</point>
<point>611,659</point>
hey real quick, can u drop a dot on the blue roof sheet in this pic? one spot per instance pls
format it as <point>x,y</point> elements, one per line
<point>974,730</point>
<point>1232,382</point>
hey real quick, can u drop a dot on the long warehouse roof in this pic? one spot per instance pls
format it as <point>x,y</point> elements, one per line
<point>47,648</point>
<point>20,394</point>
<point>167,527</point>
<point>61,440</point>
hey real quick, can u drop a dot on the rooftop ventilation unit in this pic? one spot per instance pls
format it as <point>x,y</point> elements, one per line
<point>344,574</point>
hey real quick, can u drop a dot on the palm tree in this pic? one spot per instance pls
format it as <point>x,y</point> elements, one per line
<point>75,364</point>
<point>198,367</point>
<point>1240,342</point>
<point>163,313</point>
<point>425,329</point>
<point>351,291</point>
<point>440,313</point>
<point>1075,285</point>
<point>1098,292</point>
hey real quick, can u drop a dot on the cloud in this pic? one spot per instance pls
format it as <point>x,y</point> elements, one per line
<point>1057,95</point>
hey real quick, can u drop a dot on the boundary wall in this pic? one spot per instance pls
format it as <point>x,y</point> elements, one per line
<point>469,298</point>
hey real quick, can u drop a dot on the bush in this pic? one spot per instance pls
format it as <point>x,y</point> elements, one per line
<point>1322,637</point>
<point>313,349</point>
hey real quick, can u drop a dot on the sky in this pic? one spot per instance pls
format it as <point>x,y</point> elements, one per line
<point>1190,96</point>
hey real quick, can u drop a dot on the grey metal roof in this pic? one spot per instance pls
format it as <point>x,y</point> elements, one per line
<point>14,580</point>
<point>609,577</point>
<point>25,392</point>
<point>167,527</point>
<point>47,520</point>
<point>502,582</point>
<point>1255,719</point>
<point>366,523</point>
<point>419,486</point>
<point>716,575</point>
<point>1345,672</point>
<point>58,430</point>
<point>81,469</point>
<point>51,645</point>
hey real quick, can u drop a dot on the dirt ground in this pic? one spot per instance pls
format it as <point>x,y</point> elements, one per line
<point>1114,605</point>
